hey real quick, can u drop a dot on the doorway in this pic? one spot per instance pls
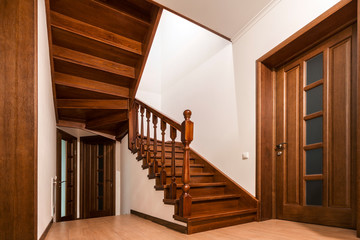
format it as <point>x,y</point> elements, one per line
<point>66,173</point>
<point>315,131</point>
<point>308,132</point>
<point>97,174</point>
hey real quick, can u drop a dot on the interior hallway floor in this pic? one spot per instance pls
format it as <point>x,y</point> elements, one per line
<point>132,227</point>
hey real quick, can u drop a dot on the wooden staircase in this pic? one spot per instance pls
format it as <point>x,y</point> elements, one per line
<point>203,197</point>
<point>98,50</point>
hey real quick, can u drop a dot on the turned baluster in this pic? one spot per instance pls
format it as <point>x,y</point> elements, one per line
<point>137,135</point>
<point>163,172</point>
<point>173,186</point>
<point>146,160</point>
<point>186,137</point>
<point>141,152</point>
<point>154,163</point>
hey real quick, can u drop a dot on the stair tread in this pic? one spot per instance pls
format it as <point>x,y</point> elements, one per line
<point>205,198</point>
<point>196,185</point>
<point>216,214</point>
<point>215,197</point>
<point>191,174</point>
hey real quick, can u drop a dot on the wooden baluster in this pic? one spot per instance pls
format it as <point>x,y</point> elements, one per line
<point>137,140</point>
<point>146,160</point>
<point>154,163</point>
<point>186,137</point>
<point>163,172</point>
<point>173,185</point>
<point>141,152</point>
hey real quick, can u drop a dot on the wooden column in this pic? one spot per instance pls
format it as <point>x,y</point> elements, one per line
<point>146,160</point>
<point>141,151</point>
<point>137,135</point>
<point>154,164</point>
<point>186,137</point>
<point>173,186</point>
<point>132,128</point>
<point>163,172</point>
<point>18,119</point>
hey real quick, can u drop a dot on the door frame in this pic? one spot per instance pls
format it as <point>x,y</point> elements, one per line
<point>95,139</point>
<point>59,136</point>
<point>337,18</point>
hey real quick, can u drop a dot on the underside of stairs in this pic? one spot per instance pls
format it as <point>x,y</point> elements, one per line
<point>217,201</point>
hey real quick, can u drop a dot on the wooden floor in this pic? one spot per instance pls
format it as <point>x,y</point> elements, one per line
<point>132,227</point>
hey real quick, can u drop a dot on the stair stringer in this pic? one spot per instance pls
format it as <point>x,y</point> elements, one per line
<point>137,190</point>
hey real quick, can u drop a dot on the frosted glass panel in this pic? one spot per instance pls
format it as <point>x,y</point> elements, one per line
<point>314,100</point>
<point>314,130</point>
<point>63,177</point>
<point>314,69</point>
<point>314,161</point>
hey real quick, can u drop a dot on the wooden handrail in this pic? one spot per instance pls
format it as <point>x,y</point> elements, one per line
<point>147,149</point>
<point>165,118</point>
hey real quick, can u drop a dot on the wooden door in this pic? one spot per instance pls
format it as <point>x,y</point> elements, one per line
<point>315,134</point>
<point>97,173</point>
<point>66,175</point>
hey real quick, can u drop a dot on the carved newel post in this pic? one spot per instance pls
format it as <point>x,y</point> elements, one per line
<point>187,128</point>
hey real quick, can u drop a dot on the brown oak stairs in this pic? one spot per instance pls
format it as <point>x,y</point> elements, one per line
<point>98,50</point>
<point>203,197</point>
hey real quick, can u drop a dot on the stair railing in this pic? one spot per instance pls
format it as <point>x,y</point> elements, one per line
<point>147,148</point>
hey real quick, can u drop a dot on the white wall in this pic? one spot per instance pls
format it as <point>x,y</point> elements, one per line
<point>46,125</point>
<point>137,191</point>
<point>216,80</point>
<point>280,22</point>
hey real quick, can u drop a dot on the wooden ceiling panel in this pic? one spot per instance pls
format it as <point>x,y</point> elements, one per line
<point>85,114</point>
<point>90,73</point>
<point>101,16</point>
<point>64,92</point>
<point>85,45</point>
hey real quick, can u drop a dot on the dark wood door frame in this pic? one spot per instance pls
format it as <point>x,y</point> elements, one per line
<point>334,20</point>
<point>83,186</point>
<point>59,136</point>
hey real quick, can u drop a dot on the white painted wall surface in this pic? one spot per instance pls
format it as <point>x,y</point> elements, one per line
<point>216,80</point>
<point>137,191</point>
<point>46,125</point>
<point>280,22</point>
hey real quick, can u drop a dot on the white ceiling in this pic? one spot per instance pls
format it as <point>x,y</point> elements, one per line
<point>227,17</point>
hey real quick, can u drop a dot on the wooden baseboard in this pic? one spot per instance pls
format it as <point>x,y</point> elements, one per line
<point>171,225</point>
<point>43,236</point>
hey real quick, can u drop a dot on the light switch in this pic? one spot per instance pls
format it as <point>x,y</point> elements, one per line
<point>245,155</point>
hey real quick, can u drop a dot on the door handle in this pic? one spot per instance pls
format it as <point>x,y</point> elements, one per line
<point>280,146</point>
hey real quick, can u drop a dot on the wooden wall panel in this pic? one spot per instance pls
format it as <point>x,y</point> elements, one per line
<point>292,77</point>
<point>18,119</point>
<point>339,125</point>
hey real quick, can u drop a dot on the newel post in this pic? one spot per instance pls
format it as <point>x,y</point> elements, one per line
<point>133,111</point>
<point>187,129</point>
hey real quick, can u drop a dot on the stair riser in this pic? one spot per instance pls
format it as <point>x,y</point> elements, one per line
<point>193,179</point>
<point>194,227</point>
<point>178,170</point>
<point>198,192</point>
<point>199,207</point>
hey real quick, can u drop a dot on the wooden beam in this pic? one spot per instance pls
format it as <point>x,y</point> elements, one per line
<point>90,85</point>
<point>19,120</point>
<point>87,60</point>
<point>92,104</point>
<point>98,34</point>
<point>107,120</point>
<point>147,46</point>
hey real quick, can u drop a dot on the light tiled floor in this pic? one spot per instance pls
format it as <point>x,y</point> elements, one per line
<point>132,227</point>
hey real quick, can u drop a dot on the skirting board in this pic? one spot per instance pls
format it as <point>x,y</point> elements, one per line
<point>43,236</point>
<point>165,223</point>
